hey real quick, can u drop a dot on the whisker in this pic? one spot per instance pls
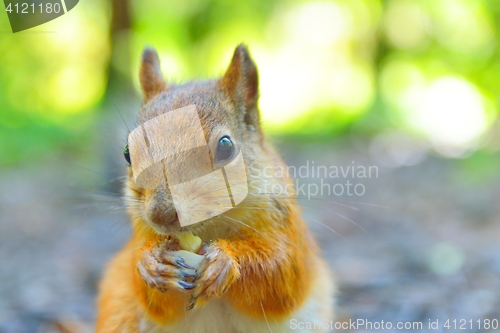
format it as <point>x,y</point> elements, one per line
<point>306,219</point>
<point>121,116</point>
<point>265,317</point>
<point>368,204</point>
<point>242,223</point>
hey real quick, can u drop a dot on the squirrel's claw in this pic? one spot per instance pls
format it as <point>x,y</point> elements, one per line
<point>191,303</point>
<point>218,270</point>
<point>165,269</point>
<point>181,262</point>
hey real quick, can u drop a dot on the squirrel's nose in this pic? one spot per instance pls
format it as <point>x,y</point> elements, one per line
<point>162,215</point>
<point>160,210</point>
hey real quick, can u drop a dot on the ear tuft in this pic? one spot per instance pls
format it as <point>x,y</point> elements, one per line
<point>241,80</point>
<point>152,82</point>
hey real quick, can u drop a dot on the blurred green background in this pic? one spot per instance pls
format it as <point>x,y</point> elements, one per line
<point>426,70</point>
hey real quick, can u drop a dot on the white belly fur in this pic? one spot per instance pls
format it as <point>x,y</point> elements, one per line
<point>218,316</point>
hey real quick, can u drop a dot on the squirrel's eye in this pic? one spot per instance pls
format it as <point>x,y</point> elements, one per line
<point>126,154</point>
<point>225,149</point>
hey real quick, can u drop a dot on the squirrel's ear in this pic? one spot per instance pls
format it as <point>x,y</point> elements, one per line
<point>241,81</point>
<point>152,82</point>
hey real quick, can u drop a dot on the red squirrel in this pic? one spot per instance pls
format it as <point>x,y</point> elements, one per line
<point>260,270</point>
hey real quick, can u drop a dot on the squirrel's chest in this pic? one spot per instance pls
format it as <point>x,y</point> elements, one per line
<point>216,316</point>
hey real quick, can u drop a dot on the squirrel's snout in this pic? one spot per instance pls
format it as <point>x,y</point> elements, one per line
<point>159,209</point>
<point>162,215</point>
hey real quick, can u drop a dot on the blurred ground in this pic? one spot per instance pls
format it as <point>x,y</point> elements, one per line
<point>421,243</point>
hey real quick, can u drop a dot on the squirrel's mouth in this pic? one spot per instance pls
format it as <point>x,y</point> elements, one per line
<point>167,218</point>
<point>170,228</point>
<point>165,227</point>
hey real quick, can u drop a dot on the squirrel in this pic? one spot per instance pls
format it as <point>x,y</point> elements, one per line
<point>260,268</point>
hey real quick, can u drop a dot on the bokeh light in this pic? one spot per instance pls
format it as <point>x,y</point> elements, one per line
<point>451,112</point>
<point>313,65</point>
<point>406,24</point>
<point>60,70</point>
<point>464,26</point>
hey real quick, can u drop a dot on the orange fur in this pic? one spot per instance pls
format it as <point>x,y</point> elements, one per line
<point>276,271</point>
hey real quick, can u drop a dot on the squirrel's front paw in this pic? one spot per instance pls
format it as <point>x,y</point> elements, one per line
<point>217,271</point>
<point>163,269</point>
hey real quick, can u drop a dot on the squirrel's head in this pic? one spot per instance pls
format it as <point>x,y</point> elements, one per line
<point>194,149</point>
